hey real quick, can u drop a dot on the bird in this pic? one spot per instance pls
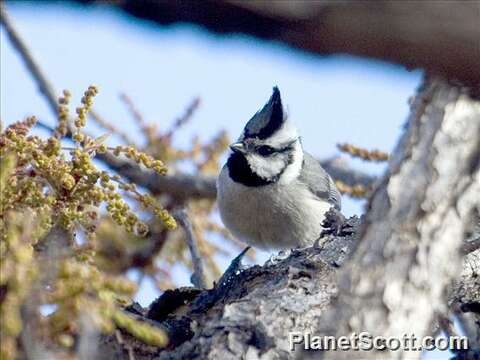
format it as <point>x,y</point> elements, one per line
<point>272,194</point>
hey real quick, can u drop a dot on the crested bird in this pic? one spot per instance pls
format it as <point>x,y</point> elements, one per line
<point>271,193</point>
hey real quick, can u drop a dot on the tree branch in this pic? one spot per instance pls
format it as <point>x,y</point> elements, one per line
<point>198,276</point>
<point>184,186</point>
<point>250,311</point>
<point>44,85</point>
<point>438,36</point>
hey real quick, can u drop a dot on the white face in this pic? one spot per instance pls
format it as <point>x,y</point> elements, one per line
<point>278,157</point>
<point>285,166</point>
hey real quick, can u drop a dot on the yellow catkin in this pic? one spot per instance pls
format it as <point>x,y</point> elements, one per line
<point>147,333</point>
<point>356,191</point>
<point>54,188</point>
<point>364,154</point>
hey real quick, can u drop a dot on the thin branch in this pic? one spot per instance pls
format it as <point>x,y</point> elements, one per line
<point>180,185</point>
<point>107,126</point>
<point>44,85</point>
<point>198,276</point>
<point>184,119</point>
<point>339,169</point>
<point>132,109</point>
<point>44,126</point>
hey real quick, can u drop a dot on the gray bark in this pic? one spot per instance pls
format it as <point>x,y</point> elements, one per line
<point>249,312</point>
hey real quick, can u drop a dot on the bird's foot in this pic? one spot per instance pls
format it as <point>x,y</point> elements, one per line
<point>276,258</point>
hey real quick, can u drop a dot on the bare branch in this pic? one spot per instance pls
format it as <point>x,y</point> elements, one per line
<point>198,276</point>
<point>340,169</point>
<point>44,85</point>
<point>178,185</point>
<point>107,126</point>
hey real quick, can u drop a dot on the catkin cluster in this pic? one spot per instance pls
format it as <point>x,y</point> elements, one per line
<point>51,200</point>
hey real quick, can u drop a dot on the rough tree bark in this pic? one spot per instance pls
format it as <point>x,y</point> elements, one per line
<point>249,312</point>
<point>409,252</point>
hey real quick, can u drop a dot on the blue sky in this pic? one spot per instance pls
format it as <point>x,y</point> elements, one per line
<point>331,99</point>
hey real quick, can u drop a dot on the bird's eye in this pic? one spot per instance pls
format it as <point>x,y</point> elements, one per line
<point>265,150</point>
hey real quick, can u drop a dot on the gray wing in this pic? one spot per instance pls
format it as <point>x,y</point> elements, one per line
<point>318,181</point>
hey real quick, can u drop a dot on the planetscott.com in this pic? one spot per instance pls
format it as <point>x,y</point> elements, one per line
<point>365,341</point>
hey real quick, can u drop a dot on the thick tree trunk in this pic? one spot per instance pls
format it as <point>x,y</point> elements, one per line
<point>428,203</point>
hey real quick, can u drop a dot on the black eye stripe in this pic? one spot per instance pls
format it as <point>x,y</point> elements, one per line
<point>266,150</point>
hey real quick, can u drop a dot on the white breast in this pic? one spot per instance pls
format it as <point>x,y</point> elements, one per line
<point>275,216</point>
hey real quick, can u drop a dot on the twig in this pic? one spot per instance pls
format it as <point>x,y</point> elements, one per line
<point>107,126</point>
<point>134,112</point>
<point>148,130</point>
<point>198,277</point>
<point>184,119</point>
<point>44,85</point>
<point>44,126</point>
<point>121,342</point>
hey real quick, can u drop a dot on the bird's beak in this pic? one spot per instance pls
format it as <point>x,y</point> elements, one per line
<point>238,147</point>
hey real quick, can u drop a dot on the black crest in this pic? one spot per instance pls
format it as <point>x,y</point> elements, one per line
<point>268,120</point>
